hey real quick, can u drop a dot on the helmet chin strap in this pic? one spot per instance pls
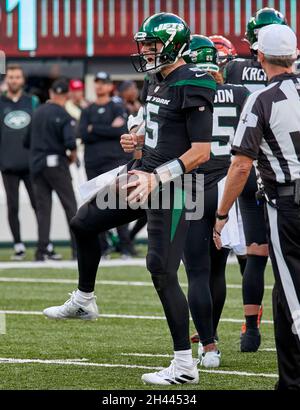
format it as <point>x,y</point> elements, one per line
<point>157,67</point>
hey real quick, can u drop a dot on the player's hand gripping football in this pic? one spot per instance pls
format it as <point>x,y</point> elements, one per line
<point>142,187</point>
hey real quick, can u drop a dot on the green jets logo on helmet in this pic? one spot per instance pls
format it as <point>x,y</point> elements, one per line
<point>263,18</point>
<point>167,36</point>
<point>203,53</point>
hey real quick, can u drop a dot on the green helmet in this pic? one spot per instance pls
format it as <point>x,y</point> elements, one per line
<point>203,53</point>
<point>263,17</point>
<point>168,29</point>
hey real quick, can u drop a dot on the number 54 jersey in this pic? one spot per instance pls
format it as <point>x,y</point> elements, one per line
<point>168,105</point>
<point>228,104</point>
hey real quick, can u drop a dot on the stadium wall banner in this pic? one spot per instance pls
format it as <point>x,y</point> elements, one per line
<point>88,28</point>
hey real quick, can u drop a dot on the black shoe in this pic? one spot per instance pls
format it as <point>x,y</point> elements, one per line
<point>250,340</point>
<point>47,255</point>
<point>53,256</point>
<point>40,256</point>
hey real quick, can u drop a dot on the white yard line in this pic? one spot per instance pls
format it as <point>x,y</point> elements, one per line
<point>73,264</point>
<point>76,362</point>
<point>69,264</point>
<point>117,316</point>
<point>99,282</point>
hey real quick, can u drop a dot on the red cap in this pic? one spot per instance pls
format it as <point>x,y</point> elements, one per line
<point>76,85</point>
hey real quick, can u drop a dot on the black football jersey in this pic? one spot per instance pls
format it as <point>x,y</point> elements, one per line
<point>247,72</point>
<point>149,79</point>
<point>166,107</point>
<point>228,103</point>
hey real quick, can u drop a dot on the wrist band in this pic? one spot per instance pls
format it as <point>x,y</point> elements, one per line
<point>221,217</point>
<point>169,171</point>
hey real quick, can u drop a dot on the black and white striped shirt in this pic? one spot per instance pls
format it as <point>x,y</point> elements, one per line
<point>269,130</point>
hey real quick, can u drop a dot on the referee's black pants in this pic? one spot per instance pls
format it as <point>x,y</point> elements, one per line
<point>51,179</point>
<point>11,182</point>
<point>167,229</point>
<point>283,227</point>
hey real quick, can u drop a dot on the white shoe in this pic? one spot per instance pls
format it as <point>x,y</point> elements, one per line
<point>72,309</point>
<point>211,359</point>
<point>173,375</point>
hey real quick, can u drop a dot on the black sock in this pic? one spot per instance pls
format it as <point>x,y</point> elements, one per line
<point>251,321</point>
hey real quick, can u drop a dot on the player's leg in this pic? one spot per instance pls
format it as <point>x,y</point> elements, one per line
<point>11,183</point>
<point>86,225</point>
<point>167,229</point>
<point>60,180</point>
<point>218,283</point>
<point>43,198</point>
<point>140,223</point>
<point>105,247</point>
<point>125,247</point>
<point>28,185</point>
<point>198,263</point>
<point>284,238</point>
<point>257,256</point>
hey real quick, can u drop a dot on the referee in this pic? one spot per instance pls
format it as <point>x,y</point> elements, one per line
<point>269,132</point>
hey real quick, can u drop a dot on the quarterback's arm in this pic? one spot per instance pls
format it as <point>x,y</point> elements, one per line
<point>195,156</point>
<point>199,122</point>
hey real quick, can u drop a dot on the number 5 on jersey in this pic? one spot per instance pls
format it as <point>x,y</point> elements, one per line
<point>151,136</point>
<point>222,132</point>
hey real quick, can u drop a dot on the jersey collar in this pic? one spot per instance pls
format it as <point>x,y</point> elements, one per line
<point>283,76</point>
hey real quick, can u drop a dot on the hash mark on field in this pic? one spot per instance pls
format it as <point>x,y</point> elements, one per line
<point>100,282</point>
<point>117,316</point>
<point>75,362</point>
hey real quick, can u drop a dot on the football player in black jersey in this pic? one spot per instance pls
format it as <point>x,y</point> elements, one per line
<point>178,129</point>
<point>226,53</point>
<point>250,73</point>
<point>205,265</point>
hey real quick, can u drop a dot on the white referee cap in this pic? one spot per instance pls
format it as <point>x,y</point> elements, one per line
<point>277,40</point>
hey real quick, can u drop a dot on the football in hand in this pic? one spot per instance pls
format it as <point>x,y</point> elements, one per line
<point>120,181</point>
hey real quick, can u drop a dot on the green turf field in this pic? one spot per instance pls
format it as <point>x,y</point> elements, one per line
<point>113,352</point>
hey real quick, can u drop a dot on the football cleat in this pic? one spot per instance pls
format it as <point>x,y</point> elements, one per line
<point>259,317</point>
<point>173,375</point>
<point>201,348</point>
<point>20,252</point>
<point>18,256</point>
<point>250,340</point>
<point>210,359</point>
<point>72,309</point>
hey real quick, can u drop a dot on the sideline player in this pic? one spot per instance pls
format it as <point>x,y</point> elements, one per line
<point>176,110</point>
<point>250,73</point>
